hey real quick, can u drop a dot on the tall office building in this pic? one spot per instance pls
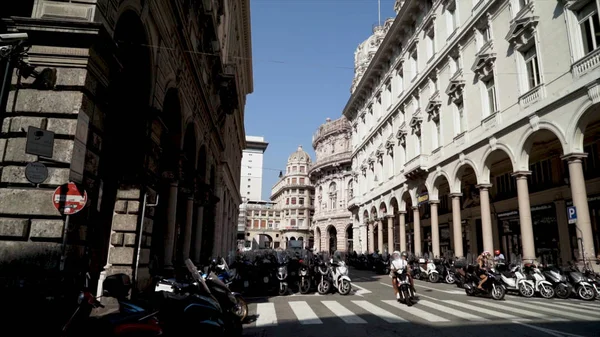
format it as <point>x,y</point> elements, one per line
<point>252,168</point>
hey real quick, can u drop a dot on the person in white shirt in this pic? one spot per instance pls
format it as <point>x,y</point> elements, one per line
<point>498,255</point>
<point>398,262</point>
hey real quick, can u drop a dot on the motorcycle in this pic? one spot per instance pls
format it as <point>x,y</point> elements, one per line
<point>562,288</point>
<point>580,282</point>
<point>430,272</point>
<point>304,272</point>
<point>542,286</point>
<point>514,280</point>
<point>491,287</point>
<point>404,288</point>
<point>282,272</point>
<point>339,274</point>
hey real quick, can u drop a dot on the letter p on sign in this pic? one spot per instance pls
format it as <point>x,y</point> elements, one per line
<point>572,214</point>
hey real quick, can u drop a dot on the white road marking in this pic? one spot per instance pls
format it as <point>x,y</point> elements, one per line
<point>343,313</point>
<point>580,309</point>
<point>416,312</point>
<point>444,291</point>
<point>482,310</point>
<point>453,312</point>
<point>266,314</point>
<point>381,313</point>
<point>554,311</point>
<point>304,313</point>
<point>517,310</point>
<point>315,294</point>
<point>387,285</point>
<point>361,291</point>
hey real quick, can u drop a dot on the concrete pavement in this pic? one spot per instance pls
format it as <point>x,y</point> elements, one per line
<point>442,310</point>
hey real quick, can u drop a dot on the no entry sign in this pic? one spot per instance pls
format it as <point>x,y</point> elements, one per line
<point>69,199</point>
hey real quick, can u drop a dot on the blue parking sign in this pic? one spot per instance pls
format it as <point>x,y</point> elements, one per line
<point>572,214</point>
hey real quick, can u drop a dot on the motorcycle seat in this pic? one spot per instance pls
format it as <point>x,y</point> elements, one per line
<point>508,274</point>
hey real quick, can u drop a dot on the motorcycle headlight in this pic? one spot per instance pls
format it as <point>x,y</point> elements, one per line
<point>282,270</point>
<point>303,272</point>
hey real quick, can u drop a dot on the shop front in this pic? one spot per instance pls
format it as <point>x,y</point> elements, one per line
<point>545,232</point>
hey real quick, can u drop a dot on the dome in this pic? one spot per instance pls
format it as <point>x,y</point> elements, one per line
<point>300,156</point>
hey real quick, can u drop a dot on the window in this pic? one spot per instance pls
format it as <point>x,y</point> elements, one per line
<point>287,201</point>
<point>589,26</point>
<point>256,222</point>
<point>293,201</point>
<point>263,223</point>
<point>249,179</point>
<point>451,21</point>
<point>302,169</point>
<point>414,63</point>
<point>388,93</point>
<point>490,88</point>
<point>249,160</point>
<point>294,181</point>
<point>461,121</point>
<point>293,222</point>
<point>300,222</point>
<point>249,174</point>
<point>438,134</point>
<point>248,186</point>
<point>301,181</point>
<point>301,191</point>
<point>294,168</point>
<point>419,144</point>
<point>430,43</point>
<point>532,66</point>
<point>301,201</point>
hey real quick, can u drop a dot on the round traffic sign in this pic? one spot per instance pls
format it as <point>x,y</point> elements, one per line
<point>69,199</point>
<point>36,172</point>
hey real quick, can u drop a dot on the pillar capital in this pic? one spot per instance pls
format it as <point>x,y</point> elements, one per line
<point>521,174</point>
<point>456,195</point>
<point>574,157</point>
<point>434,202</point>
<point>401,212</point>
<point>484,187</point>
<point>415,208</point>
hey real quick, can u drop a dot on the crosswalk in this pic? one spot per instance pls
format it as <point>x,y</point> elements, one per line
<point>428,309</point>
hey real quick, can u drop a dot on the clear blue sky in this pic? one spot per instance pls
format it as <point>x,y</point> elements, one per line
<point>303,59</point>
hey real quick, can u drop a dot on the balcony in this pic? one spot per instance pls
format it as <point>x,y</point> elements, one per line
<point>586,64</point>
<point>336,158</point>
<point>416,167</point>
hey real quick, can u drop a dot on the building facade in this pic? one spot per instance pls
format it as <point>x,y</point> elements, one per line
<point>331,175</point>
<point>475,127</point>
<point>252,168</point>
<point>290,210</point>
<point>146,103</point>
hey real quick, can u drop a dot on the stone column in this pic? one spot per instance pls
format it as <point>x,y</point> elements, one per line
<point>198,236</point>
<point>457,225</point>
<point>189,222</point>
<point>371,244</point>
<point>402,230</point>
<point>390,231</point>
<point>363,238</point>
<point>486,217</point>
<point>564,239</point>
<point>579,195</point>
<point>171,225</point>
<point>356,236</point>
<point>417,226</point>
<point>380,235</point>
<point>435,229</point>
<point>317,240</point>
<point>525,216</point>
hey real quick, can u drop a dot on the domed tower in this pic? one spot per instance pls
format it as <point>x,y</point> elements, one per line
<point>331,174</point>
<point>294,195</point>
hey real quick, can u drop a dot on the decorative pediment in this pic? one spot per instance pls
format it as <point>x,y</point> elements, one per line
<point>456,86</point>
<point>484,64</point>
<point>415,124</point>
<point>433,107</point>
<point>401,134</point>
<point>449,5</point>
<point>380,152</point>
<point>412,43</point>
<point>521,32</point>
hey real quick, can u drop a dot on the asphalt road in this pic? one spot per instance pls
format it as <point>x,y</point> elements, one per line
<point>442,310</point>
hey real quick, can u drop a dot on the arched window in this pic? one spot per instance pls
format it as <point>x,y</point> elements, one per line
<point>350,189</point>
<point>333,194</point>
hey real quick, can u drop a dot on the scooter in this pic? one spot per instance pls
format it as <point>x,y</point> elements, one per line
<point>430,270</point>
<point>514,280</point>
<point>404,288</point>
<point>491,287</point>
<point>340,278</point>
<point>542,286</point>
<point>562,288</point>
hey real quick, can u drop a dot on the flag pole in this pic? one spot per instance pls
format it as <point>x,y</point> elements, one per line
<point>379,11</point>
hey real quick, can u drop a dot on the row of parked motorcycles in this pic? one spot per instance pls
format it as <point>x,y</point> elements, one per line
<point>197,301</point>
<point>281,272</point>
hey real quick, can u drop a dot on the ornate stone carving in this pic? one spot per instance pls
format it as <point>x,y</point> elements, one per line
<point>401,135</point>
<point>449,5</point>
<point>379,153</point>
<point>456,86</point>
<point>483,66</point>
<point>521,32</point>
<point>415,124</point>
<point>389,145</point>
<point>433,107</point>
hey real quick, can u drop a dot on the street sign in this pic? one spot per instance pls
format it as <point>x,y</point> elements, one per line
<point>69,199</point>
<point>39,142</point>
<point>36,172</point>
<point>572,214</point>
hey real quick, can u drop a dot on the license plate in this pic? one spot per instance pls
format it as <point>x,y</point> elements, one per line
<point>266,279</point>
<point>246,284</point>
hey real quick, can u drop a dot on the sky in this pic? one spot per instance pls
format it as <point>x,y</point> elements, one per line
<point>303,65</point>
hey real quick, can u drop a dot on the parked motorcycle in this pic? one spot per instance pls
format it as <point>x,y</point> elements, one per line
<point>514,280</point>
<point>583,288</point>
<point>491,287</point>
<point>542,286</point>
<point>339,274</point>
<point>562,288</point>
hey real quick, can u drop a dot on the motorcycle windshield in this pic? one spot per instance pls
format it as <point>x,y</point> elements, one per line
<point>339,256</point>
<point>282,257</point>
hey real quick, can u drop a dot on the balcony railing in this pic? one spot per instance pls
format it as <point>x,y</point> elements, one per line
<point>587,63</point>
<point>339,157</point>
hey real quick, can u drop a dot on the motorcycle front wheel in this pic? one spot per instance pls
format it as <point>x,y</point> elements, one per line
<point>498,292</point>
<point>547,291</point>
<point>449,278</point>
<point>344,287</point>
<point>526,290</point>
<point>324,287</point>
<point>304,286</point>
<point>585,293</point>
<point>434,277</point>
<point>562,291</point>
<point>241,308</point>
<point>282,289</point>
